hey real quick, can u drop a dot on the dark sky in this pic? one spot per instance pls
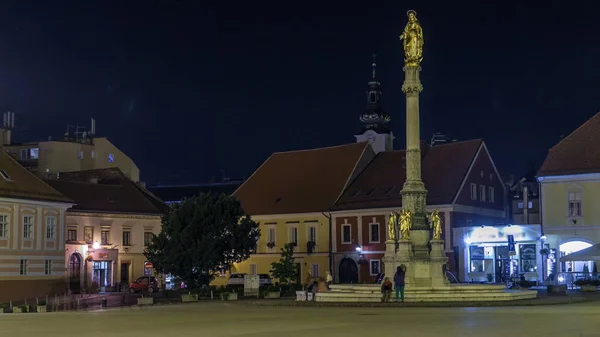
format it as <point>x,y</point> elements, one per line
<point>189,87</point>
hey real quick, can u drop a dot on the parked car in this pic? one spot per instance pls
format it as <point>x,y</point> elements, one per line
<point>265,280</point>
<point>144,283</point>
<point>236,279</point>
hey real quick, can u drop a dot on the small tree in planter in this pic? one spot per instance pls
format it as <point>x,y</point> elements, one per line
<point>41,306</point>
<point>588,285</point>
<point>285,270</point>
<point>273,292</point>
<point>21,309</point>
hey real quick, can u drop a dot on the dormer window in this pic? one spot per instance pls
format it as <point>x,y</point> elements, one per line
<point>5,175</point>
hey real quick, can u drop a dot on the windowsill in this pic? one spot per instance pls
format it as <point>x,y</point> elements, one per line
<point>374,242</point>
<point>347,243</point>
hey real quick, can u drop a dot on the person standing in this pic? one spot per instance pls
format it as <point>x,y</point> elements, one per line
<point>328,279</point>
<point>399,282</point>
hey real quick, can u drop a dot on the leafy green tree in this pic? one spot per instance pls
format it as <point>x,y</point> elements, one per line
<point>201,235</point>
<point>285,270</point>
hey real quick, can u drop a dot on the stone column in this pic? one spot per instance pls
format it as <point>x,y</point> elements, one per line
<point>413,192</point>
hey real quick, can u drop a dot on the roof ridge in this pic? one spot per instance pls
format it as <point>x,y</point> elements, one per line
<point>5,154</point>
<point>320,148</point>
<point>348,182</point>
<point>576,129</point>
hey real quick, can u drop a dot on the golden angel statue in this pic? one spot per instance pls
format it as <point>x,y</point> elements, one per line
<point>436,224</point>
<point>412,38</point>
<point>392,223</point>
<point>405,224</point>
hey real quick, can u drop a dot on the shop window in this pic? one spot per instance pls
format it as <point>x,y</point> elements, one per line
<point>528,257</point>
<point>102,273</point>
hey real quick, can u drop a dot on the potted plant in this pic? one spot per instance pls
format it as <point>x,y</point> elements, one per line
<point>189,297</point>
<point>229,296</point>
<point>588,285</point>
<point>271,245</point>
<point>310,247</point>
<point>41,306</point>
<point>273,292</point>
<point>21,309</point>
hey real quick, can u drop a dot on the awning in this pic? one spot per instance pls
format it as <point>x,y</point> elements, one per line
<point>588,254</point>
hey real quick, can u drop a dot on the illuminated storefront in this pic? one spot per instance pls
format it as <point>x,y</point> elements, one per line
<point>491,254</point>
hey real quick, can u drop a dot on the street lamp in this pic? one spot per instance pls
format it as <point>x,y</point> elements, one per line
<point>96,245</point>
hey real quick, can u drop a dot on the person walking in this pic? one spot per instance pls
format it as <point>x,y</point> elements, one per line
<point>386,290</point>
<point>399,282</point>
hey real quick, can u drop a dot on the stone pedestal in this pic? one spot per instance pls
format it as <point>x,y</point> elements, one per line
<point>424,267</point>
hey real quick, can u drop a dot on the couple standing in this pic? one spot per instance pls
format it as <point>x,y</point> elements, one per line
<point>386,287</point>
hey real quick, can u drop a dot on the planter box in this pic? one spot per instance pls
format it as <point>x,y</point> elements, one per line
<point>587,288</point>
<point>273,294</point>
<point>145,301</point>
<point>557,289</point>
<point>303,295</point>
<point>40,308</point>
<point>189,298</point>
<point>19,310</point>
<point>229,296</point>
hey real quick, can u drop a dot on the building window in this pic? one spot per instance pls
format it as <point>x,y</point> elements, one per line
<point>312,234</point>
<point>253,269</point>
<point>529,204</point>
<point>374,233</point>
<point>23,267</point>
<point>346,234</point>
<point>375,267</point>
<point>126,238</point>
<point>32,153</point>
<point>294,235</point>
<point>148,238</point>
<point>80,154</point>
<point>575,204</point>
<point>88,234</point>
<point>372,97</point>
<point>492,198</point>
<point>271,235</point>
<point>28,227</point>
<point>72,235</point>
<point>315,270</point>
<point>50,228</point>
<point>111,158</point>
<point>482,193</point>
<point>104,237</point>
<point>473,191</point>
<point>48,267</point>
<point>4,226</point>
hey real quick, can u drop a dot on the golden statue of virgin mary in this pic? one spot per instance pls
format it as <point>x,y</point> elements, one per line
<point>412,38</point>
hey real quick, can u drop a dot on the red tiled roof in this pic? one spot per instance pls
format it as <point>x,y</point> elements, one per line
<point>444,167</point>
<point>107,191</point>
<point>577,153</point>
<point>301,181</point>
<point>22,184</point>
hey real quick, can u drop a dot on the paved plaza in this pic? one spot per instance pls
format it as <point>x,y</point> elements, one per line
<point>240,319</point>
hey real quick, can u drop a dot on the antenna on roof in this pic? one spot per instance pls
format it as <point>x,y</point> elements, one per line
<point>93,128</point>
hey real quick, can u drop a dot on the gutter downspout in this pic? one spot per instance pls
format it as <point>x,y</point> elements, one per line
<point>330,242</point>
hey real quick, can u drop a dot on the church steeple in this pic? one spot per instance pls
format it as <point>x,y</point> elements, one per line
<point>374,119</point>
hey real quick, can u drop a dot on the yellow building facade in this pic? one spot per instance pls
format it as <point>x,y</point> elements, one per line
<point>570,189</point>
<point>276,231</point>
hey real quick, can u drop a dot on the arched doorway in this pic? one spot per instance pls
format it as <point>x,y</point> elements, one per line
<point>75,273</point>
<point>574,270</point>
<point>348,272</point>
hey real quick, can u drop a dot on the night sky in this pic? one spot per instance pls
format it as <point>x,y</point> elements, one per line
<point>187,88</point>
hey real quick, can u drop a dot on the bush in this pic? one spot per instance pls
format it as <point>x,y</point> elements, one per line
<point>526,284</point>
<point>586,282</point>
<point>273,289</point>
